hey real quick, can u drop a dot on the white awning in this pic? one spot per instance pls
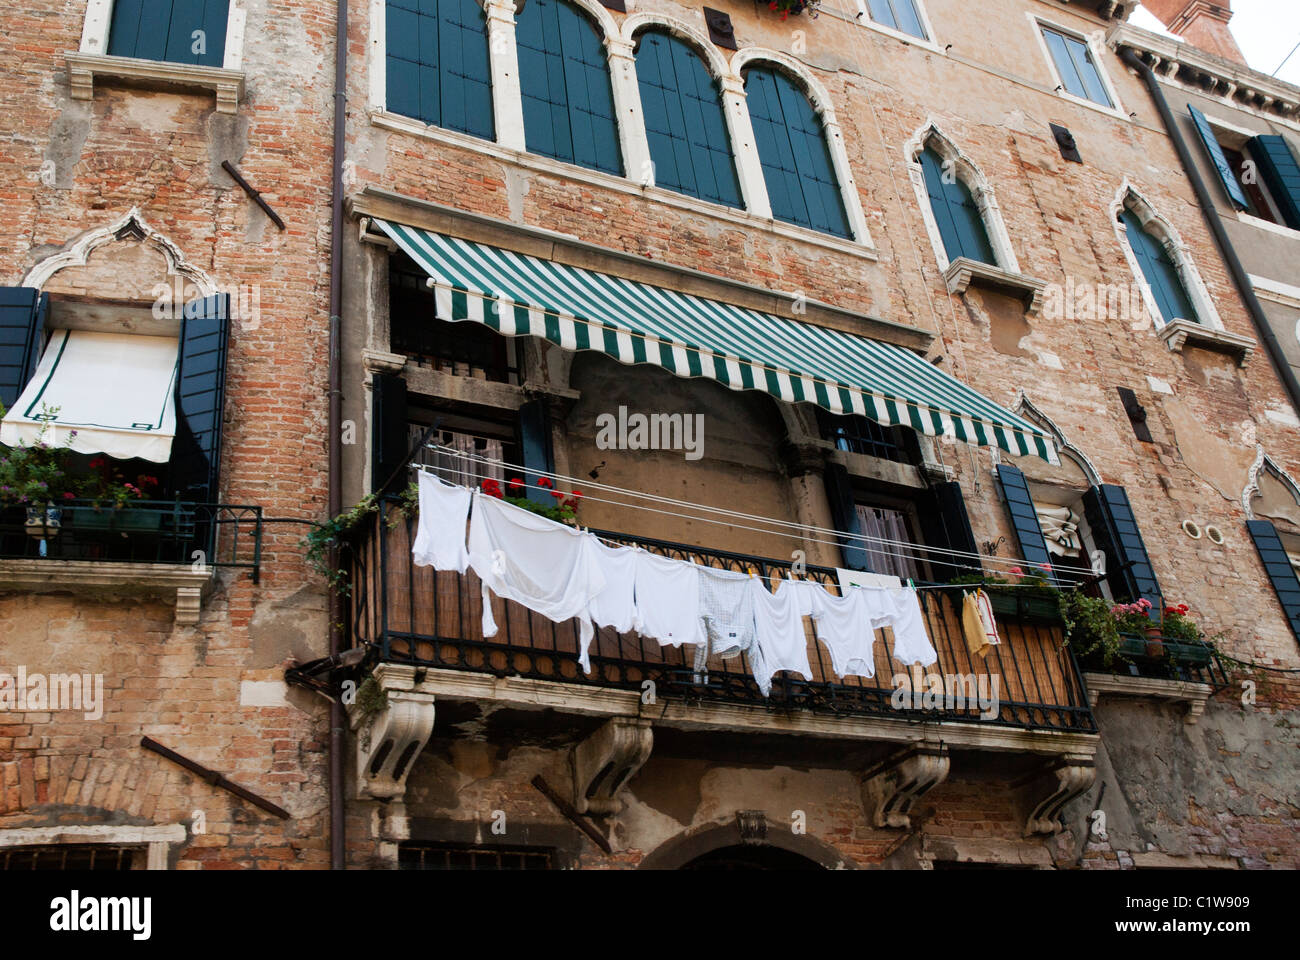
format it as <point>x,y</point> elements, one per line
<point>117,392</point>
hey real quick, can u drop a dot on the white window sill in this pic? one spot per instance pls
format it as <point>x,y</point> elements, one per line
<point>900,35</point>
<point>1269,225</point>
<point>1194,695</point>
<point>1093,105</point>
<point>595,178</point>
<point>1179,333</point>
<point>85,68</point>
<point>964,272</point>
<point>112,579</point>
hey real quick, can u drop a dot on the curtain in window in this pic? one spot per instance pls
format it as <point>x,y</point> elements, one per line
<point>460,469</point>
<point>1159,271</point>
<point>888,525</point>
<point>564,76</point>
<point>438,70</point>
<point>797,167</point>
<point>687,132</point>
<point>174,31</point>
<point>960,224</point>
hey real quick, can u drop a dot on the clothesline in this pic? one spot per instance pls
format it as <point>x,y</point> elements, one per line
<point>803,532</point>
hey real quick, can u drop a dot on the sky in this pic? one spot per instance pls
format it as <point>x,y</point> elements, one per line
<point>1266,31</point>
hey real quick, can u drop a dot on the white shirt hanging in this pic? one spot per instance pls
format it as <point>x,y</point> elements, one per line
<point>440,527</point>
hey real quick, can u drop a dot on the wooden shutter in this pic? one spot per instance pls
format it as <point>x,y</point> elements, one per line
<point>200,399</point>
<point>1159,271</point>
<point>954,209</point>
<point>1282,174</point>
<point>792,149</point>
<point>535,448</point>
<point>166,30</point>
<point>389,430</point>
<point>1115,530</point>
<point>436,54</point>
<point>946,524</point>
<point>22,318</point>
<point>1278,567</point>
<point>564,77</point>
<point>1224,169</point>
<point>1024,518</point>
<point>844,514</point>
<point>687,132</point>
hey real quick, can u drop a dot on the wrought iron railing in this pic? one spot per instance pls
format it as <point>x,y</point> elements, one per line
<point>409,614</point>
<point>144,531</point>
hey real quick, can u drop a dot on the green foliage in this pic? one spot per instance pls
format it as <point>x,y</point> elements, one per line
<point>38,473</point>
<point>325,537</point>
<point>1091,627</point>
<point>371,697</point>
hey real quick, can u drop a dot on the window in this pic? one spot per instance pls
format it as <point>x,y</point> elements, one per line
<point>796,161</point>
<point>1076,67</point>
<point>474,441</point>
<point>956,214</point>
<point>175,31</point>
<point>901,15</point>
<point>862,435</point>
<point>690,145</point>
<point>437,64</point>
<point>895,525</point>
<point>564,76</point>
<point>1258,202</point>
<point>1159,270</point>
<point>444,856</point>
<point>71,856</point>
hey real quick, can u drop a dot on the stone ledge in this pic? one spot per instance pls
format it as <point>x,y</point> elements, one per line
<point>963,272</point>
<point>1195,695</point>
<point>106,578</point>
<point>85,68</point>
<point>1178,333</point>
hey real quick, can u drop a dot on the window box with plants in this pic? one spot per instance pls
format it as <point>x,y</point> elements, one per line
<point>1113,637</point>
<point>1026,597</point>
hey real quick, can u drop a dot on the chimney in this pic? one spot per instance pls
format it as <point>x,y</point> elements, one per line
<point>1202,23</point>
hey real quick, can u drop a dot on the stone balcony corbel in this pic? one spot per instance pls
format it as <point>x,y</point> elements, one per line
<point>891,787</point>
<point>1179,333</point>
<point>1057,785</point>
<point>607,760</point>
<point>390,734</point>
<point>1190,693</point>
<point>963,272</point>
<point>185,584</point>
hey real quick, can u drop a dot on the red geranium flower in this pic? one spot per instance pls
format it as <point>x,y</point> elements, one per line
<point>514,483</point>
<point>557,494</point>
<point>545,482</point>
<point>578,494</point>
<point>1016,572</point>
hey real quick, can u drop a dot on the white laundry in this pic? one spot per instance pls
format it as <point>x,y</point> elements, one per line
<point>668,599</point>
<point>847,626</point>
<point>779,639</point>
<point>440,528</point>
<point>545,566</point>
<point>727,610</point>
<point>615,606</point>
<point>911,642</point>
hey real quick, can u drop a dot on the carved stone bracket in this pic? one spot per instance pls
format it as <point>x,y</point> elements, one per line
<point>606,760</point>
<point>1179,333</point>
<point>891,787</point>
<point>389,739</point>
<point>963,272</point>
<point>1062,782</point>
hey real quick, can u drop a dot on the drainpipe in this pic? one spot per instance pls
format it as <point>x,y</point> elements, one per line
<point>336,417</point>
<point>1239,275</point>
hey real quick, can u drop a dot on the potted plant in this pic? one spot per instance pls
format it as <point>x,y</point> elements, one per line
<point>1183,640</point>
<point>795,7</point>
<point>36,478</point>
<point>113,496</point>
<point>1027,597</point>
<point>1092,630</point>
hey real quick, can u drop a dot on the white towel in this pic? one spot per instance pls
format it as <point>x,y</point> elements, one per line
<point>440,528</point>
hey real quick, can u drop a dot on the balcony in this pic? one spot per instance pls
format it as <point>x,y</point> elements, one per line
<point>156,549</point>
<point>430,620</point>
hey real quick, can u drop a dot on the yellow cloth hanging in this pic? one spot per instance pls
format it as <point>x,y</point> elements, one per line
<point>977,623</point>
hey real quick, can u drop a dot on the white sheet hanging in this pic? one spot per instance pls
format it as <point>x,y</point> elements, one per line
<point>117,391</point>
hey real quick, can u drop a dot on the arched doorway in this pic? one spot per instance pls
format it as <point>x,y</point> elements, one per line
<point>751,857</point>
<point>765,845</point>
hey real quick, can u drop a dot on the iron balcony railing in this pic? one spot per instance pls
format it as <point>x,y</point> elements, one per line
<point>143,531</point>
<point>415,615</point>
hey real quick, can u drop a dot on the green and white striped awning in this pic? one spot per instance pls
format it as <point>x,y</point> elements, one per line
<point>633,322</point>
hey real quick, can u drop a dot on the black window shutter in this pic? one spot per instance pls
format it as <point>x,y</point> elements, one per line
<point>844,514</point>
<point>1281,172</point>
<point>200,398</point>
<point>1278,567</point>
<point>947,525</point>
<point>1115,530</point>
<point>22,315</point>
<point>388,427</point>
<point>1024,518</point>
<point>535,449</point>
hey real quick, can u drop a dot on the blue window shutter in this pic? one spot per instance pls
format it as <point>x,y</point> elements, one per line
<point>1278,567</point>
<point>1282,174</point>
<point>22,318</point>
<point>535,448</point>
<point>437,64</point>
<point>792,150</point>
<point>960,225</point>
<point>1115,530</point>
<point>567,97</point>
<point>685,126</point>
<point>946,524</point>
<point>1024,518</point>
<point>844,514</point>
<point>165,30</point>
<point>390,439</point>
<point>1159,271</point>
<point>1211,143</point>
<point>200,399</point>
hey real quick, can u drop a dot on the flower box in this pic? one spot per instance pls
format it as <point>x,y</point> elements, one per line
<point>1023,606</point>
<point>120,519</point>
